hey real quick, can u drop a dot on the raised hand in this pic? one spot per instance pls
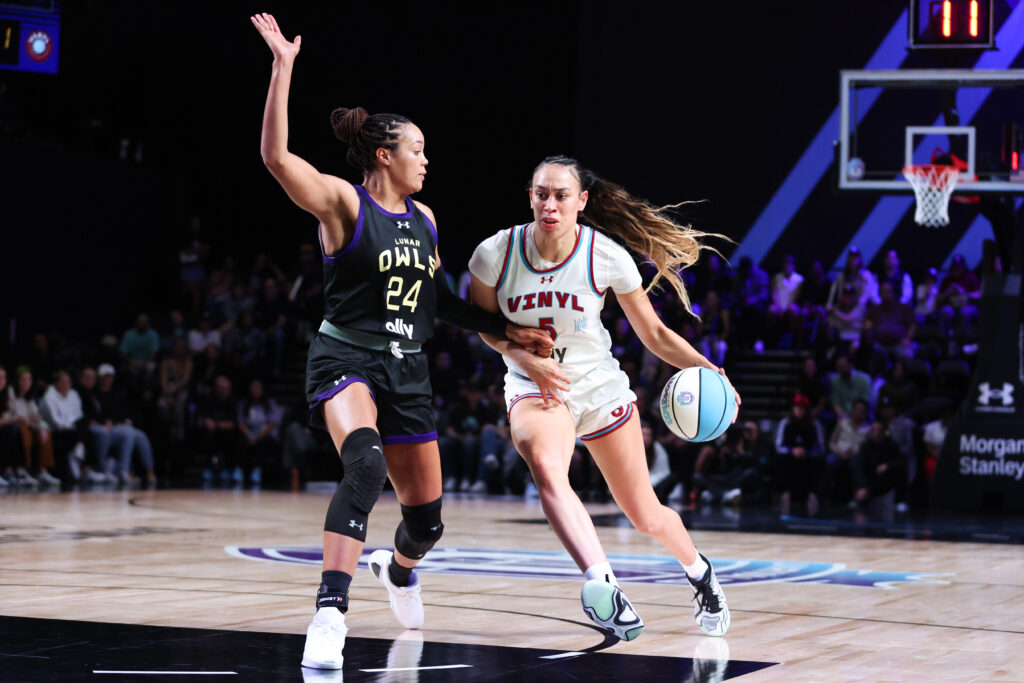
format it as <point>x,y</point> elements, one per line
<point>283,49</point>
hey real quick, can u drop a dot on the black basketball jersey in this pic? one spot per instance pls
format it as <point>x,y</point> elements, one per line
<point>382,281</point>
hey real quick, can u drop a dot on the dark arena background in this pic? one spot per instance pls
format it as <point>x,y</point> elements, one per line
<point>132,186</point>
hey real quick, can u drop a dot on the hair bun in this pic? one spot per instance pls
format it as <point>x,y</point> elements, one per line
<point>347,122</point>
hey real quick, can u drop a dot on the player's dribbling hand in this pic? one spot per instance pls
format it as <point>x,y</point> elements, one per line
<point>282,48</point>
<point>735,393</point>
<point>531,338</point>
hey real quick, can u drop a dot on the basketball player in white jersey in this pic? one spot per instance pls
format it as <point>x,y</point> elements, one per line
<point>554,273</point>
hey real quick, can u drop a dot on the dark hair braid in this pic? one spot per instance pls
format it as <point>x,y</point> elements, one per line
<point>365,134</point>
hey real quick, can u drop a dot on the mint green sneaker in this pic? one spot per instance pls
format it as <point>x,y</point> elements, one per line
<point>608,607</point>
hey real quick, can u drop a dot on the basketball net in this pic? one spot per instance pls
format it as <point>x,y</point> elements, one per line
<point>933,184</point>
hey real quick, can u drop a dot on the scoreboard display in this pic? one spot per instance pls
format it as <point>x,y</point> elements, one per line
<point>961,24</point>
<point>29,39</point>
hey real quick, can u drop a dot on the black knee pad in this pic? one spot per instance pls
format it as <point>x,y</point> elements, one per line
<point>419,530</point>
<point>362,456</point>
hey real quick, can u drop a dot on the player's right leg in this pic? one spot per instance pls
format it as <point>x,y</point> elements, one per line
<point>350,416</point>
<point>545,437</point>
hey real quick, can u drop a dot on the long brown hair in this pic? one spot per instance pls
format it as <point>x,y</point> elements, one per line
<point>646,229</point>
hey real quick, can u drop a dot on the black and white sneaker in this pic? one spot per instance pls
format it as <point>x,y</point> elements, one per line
<point>710,609</point>
<point>608,607</point>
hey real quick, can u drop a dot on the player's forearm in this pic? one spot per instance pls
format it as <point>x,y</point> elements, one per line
<point>274,139</point>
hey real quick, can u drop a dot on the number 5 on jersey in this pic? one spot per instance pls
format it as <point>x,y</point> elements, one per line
<point>548,325</point>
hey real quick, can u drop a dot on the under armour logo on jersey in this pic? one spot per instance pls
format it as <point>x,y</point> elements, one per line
<point>339,381</point>
<point>987,393</point>
<point>352,523</point>
<point>546,278</point>
<point>402,224</point>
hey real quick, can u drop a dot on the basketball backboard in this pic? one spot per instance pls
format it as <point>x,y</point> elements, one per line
<point>889,119</point>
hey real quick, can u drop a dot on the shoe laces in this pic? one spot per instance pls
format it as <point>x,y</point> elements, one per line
<point>705,595</point>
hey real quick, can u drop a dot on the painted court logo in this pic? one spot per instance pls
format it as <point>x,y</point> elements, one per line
<point>538,564</point>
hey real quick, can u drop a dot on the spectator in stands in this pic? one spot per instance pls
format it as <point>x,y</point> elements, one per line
<point>40,359</point>
<point>305,453</point>
<point>893,323</point>
<point>259,421</point>
<point>712,331</point>
<point>925,295</point>
<point>843,446</point>
<point>958,296</point>
<point>879,467</point>
<point>99,428</point>
<point>125,437</point>
<point>217,427</point>
<point>218,290</point>
<point>246,346</point>
<point>897,278</point>
<point>734,470</point>
<point>812,384</point>
<point>870,357</point>
<point>899,389</point>
<point>751,300</point>
<point>12,454</point>
<point>784,312</point>
<point>846,318</point>
<point>272,317</point>
<point>175,330</point>
<point>139,348</point>
<point>854,273</point>
<point>203,336</point>
<point>175,380</point>
<point>799,447</point>
<point>61,408</point>
<point>846,385</point>
<point>206,368</point>
<point>900,429</point>
<point>305,291</point>
<point>934,436</point>
<point>814,293</point>
<point>191,264</point>
<point>35,434</point>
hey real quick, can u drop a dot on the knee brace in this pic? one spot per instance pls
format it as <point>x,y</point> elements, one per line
<point>362,456</point>
<point>419,530</point>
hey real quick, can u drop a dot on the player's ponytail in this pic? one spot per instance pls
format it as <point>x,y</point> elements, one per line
<point>365,134</point>
<point>648,230</point>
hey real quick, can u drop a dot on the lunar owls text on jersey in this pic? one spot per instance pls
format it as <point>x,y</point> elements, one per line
<point>564,299</point>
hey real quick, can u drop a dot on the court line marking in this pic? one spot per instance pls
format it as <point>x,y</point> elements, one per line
<point>168,673</point>
<point>564,654</point>
<point>418,668</point>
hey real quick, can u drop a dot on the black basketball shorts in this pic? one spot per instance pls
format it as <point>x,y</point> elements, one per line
<point>400,387</point>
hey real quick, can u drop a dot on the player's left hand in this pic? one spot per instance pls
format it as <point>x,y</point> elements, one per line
<point>536,340</point>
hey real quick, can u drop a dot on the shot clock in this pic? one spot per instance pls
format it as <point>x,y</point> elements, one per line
<point>961,24</point>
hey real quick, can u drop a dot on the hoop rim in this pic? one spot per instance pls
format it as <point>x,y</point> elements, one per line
<point>922,169</point>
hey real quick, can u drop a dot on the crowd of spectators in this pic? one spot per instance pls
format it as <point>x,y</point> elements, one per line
<point>212,391</point>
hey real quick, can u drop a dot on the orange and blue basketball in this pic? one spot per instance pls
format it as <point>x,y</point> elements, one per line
<point>697,404</point>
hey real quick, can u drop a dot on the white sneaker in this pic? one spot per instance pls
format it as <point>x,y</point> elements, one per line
<point>678,494</point>
<point>74,467</point>
<point>325,639</point>
<point>24,478</point>
<point>710,611</point>
<point>450,484</point>
<point>732,496</point>
<point>478,487</point>
<point>3,482</point>
<point>47,478</point>
<point>94,477</point>
<point>464,485</point>
<point>607,606</point>
<point>406,603</point>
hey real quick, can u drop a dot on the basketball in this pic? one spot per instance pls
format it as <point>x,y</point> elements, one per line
<point>697,404</point>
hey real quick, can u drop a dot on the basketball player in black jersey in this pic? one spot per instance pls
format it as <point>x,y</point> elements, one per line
<point>367,379</point>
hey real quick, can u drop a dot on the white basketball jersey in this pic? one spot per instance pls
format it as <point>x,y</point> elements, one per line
<point>565,298</point>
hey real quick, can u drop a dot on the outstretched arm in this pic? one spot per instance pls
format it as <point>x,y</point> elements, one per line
<point>665,343</point>
<point>329,198</point>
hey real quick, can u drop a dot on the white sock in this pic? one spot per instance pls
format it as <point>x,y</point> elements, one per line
<point>603,571</point>
<point>696,570</point>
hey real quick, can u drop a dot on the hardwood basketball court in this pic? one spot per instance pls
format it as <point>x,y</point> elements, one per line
<point>82,572</point>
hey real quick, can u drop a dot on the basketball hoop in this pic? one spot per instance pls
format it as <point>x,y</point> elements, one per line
<point>933,184</point>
